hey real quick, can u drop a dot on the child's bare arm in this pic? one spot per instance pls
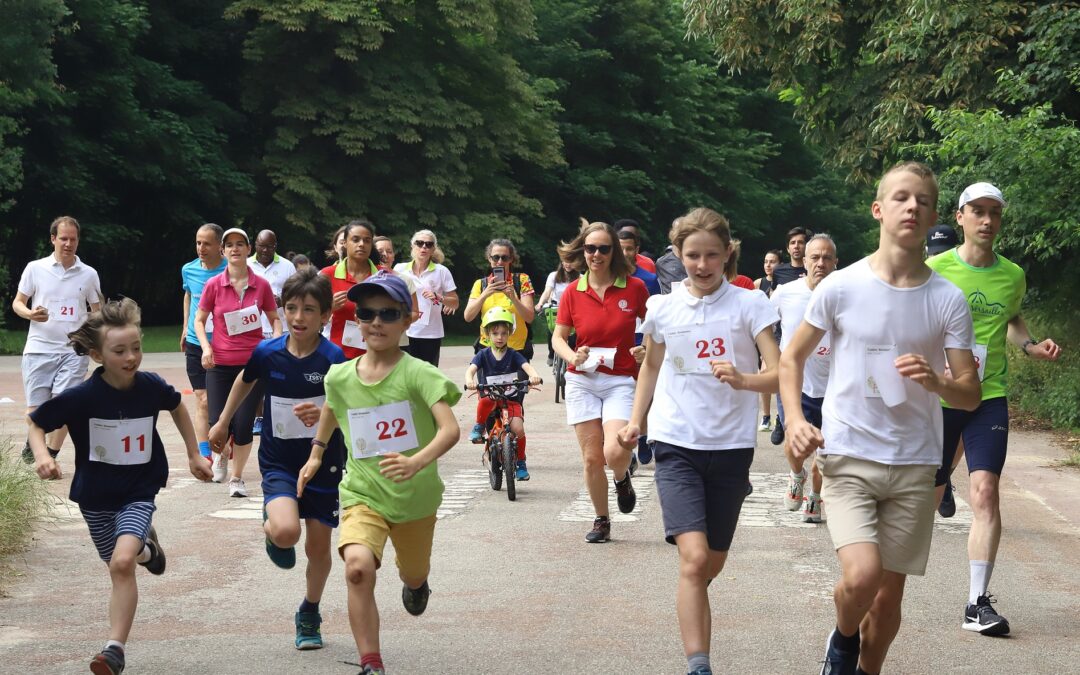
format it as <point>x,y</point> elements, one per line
<point>470,376</point>
<point>327,425</point>
<point>45,466</point>
<point>398,467</point>
<point>198,466</point>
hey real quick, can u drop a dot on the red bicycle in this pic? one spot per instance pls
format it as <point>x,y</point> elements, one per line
<point>500,443</point>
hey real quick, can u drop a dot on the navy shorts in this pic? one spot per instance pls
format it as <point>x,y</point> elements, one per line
<point>702,491</point>
<point>318,503</point>
<point>107,526</point>
<point>196,374</point>
<point>811,410</point>
<point>985,432</point>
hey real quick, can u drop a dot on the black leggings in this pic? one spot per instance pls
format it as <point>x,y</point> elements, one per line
<point>426,349</point>
<point>219,382</point>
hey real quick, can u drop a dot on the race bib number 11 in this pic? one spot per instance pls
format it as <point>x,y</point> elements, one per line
<point>121,442</point>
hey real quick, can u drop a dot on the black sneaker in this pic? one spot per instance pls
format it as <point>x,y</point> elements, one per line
<point>415,601</point>
<point>981,618</point>
<point>109,662</point>
<point>52,453</point>
<point>777,436</point>
<point>156,563</point>
<point>27,453</point>
<point>947,507</point>
<point>624,491</point>
<point>601,531</point>
<point>633,465</point>
<point>839,661</point>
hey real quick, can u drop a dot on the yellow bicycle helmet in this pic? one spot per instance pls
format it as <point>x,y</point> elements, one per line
<point>498,315</point>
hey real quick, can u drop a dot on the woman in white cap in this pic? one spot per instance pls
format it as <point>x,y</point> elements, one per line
<point>436,293</point>
<point>232,301</point>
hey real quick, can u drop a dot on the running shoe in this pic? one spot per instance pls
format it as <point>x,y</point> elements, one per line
<point>703,670</point>
<point>838,661</point>
<point>633,464</point>
<point>371,670</point>
<point>52,453</point>
<point>793,498</point>
<point>256,427</point>
<point>777,436</point>
<point>109,662</point>
<point>237,488</point>
<point>947,507</point>
<point>27,453</point>
<point>477,433</point>
<point>285,558</point>
<point>764,426</point>
<point>749,488</point>
<point>220,466</point>
<point>601,531</point>
<point>522,471</point>
<point>308,632</point>
<point>156,563</point>
<point>811,512</point>
<point>550,360</point>
<point>645,450</point>
<point>625,494</point>
<point>415,600</point>
<point>981,618</point>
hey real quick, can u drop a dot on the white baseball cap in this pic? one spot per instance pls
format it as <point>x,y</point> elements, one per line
<point>978,191</point>
<point>235,230</point>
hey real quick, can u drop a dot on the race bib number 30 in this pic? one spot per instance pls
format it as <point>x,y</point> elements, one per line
<point>242,320</point>
<point>121,442</point>
<point>693,347</point>
<point>383,429</point>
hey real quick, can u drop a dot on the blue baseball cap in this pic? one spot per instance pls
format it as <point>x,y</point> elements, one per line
<point>383,282</point>
<point>940,238</point>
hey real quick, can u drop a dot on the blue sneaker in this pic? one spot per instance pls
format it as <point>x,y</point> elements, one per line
<point>477,434</point>
<point>644,450</point>
<point>308,633</point>
<point>522,470</point>
<point>837,661</point>
<point>285,558</point>
<point>256,428</point>
<point>704,670</point>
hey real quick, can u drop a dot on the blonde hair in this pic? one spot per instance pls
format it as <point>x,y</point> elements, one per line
<point>437,254</point>
<point>700,219</point>
<point>573,251</point>
<point>918,168</point>
<point>731,267</point>
<point>113,314</point>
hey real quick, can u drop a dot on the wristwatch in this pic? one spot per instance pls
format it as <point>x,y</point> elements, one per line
<point>1027,342</point>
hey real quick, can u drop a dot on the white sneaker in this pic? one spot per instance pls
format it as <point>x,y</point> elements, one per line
<point>811,512</point>
<point>220,466</point>
<point>764,426</point>
<point>237,488</point>
<point>793,498</point>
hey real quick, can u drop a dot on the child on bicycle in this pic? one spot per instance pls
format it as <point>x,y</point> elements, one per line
<point>394,410</point>
<point>499,364</point>
<point>120,461</point>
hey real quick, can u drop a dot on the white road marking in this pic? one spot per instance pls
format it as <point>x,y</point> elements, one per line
<point>249,508</point>
<point>581,509</point>
<point>461,489</point>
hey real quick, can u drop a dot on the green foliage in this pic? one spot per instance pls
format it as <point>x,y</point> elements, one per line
<point>23,500</point>
<point>1050,390</point>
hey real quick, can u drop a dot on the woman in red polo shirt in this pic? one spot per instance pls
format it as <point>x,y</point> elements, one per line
<point>601,307</point>
<point>233,299</point>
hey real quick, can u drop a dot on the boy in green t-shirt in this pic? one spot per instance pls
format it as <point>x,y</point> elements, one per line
<point>394,411</point>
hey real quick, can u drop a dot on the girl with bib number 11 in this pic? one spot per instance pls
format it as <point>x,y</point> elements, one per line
<point>120,461</point>
<point>700,376</point>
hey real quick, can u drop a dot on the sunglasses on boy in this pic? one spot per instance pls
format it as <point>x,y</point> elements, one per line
<point>420,243</point>
<point>386,315</point>
<point>602,249</point>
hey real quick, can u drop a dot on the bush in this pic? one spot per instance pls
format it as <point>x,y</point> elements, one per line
<point>24,499</point>
<point>1050,390</point>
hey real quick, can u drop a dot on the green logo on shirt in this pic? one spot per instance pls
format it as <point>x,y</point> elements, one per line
<point>980,305</point>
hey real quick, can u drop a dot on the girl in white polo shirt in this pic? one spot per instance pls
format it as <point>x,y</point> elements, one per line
<point>700,376</point>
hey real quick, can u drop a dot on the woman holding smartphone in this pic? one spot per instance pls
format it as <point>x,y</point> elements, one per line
<point>504,288</point>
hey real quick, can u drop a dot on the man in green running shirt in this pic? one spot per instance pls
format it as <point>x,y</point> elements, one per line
<point>994,287</point>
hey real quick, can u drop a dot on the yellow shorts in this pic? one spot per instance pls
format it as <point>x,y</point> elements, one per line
<point>412,539</point>
<point>888,505</point>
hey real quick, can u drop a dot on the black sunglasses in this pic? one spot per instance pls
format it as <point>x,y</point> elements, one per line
<point>387,315</point>
<point>500,258</point>
<point>423,244</point>
<point>602,249</point>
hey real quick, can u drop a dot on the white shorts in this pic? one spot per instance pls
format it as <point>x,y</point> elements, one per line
<point>46,375</point>
<point>591,396</point>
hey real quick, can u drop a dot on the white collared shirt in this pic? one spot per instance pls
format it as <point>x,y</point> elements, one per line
<point>790,301</point>
<point>437,279</point>
<point>277,272</point>
<point>47,283</point>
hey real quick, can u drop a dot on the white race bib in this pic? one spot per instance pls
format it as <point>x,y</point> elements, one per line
<point>598,356</point>
<point>692,347</point>
<point>507,378</point>
<point>242,320</point>
<point>64,309</point>
<point>426,307</point>
<point>880,377</point>
<point>823,349</point>
<point>121,442</point>
<point>383,429</point>
<point>286,424</point>
<point>209,324</point>
<point>980,359</point>
<point>352,337</point>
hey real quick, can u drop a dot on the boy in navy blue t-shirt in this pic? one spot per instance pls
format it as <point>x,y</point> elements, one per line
<point>495,365</point>
<point>291,370</point>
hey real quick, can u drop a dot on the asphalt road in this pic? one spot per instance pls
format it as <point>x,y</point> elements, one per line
<point>517,590</point>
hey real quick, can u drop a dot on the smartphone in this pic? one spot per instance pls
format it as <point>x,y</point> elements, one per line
<point>498,274</point>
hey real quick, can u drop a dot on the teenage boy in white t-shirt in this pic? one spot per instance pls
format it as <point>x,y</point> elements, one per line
<point>790,301</point>
<point>894,324</point>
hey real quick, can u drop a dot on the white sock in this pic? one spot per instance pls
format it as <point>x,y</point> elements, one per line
<point>980,579</point>
<point>800,475</point>
<point>144,554</point>
<point>115,643</point>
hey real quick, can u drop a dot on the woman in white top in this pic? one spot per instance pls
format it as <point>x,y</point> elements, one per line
<point>557,282</point>
<point>436,295</point>
<point>700,376</point>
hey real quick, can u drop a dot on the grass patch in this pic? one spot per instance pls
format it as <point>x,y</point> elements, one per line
<point>24,499</point>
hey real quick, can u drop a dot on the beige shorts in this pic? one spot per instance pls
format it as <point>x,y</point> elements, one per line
<point>888,505</point>
<point>412,540</point>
